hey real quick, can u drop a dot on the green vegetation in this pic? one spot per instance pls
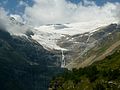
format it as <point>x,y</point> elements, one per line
<point>102,75</point>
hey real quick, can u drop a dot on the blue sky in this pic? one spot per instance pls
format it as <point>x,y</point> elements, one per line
<point>12,5</point>
<point>98,2</point>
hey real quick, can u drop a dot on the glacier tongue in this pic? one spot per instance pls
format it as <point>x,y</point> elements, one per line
<point>47,39</point>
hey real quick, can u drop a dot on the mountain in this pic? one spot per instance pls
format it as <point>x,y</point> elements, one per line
<point>102,75</point>
<point>84,49</point>
<point>79,49</point>
<point>25,64</point>
<point>31,56</point>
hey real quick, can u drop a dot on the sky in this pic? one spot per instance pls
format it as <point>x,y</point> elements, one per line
<point>38,12</point>
<point>13,5</point>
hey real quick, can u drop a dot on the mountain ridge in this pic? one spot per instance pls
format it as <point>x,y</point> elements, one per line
<point>51,53</point>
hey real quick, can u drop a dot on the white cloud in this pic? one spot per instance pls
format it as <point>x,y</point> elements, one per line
<point>11,26</point>
<point>60,11</point>
<point>17,17</point>
<point>118,12</point>
<point>3,18</point>
<point>22,3</point>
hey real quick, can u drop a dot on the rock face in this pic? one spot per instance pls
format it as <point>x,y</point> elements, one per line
<point>25,64</point>
<point>28,61</point>
<point>86,48</point>
<point>77,50</point>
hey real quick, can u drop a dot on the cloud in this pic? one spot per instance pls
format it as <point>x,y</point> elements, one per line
<point>11,25</point>
<point>3,18</point>
<point>5,1</point>
<point>61,11</point>
<point>23,3</point>
<point>118,12</point>
<point>17,17</point>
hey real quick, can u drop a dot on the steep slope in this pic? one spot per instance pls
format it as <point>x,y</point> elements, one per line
<point>25,64</point>
<point>42,51</point>
<point>102,75</point>
<point>92,46</point>
<point>79,43</point>
<point>12,66</point>
<point>48,35</point>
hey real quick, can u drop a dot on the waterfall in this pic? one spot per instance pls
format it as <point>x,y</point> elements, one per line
<point>62,59</point>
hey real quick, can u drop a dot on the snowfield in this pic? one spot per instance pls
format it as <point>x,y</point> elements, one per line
<point>47,40</point>
<point>48,35</point>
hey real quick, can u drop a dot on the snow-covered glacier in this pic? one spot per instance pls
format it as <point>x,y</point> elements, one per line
<point>48,35</point>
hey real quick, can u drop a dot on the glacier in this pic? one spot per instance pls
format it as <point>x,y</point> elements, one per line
<point>48,35</point>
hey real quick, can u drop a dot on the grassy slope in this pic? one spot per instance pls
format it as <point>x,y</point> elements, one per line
<point>102,75</point>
